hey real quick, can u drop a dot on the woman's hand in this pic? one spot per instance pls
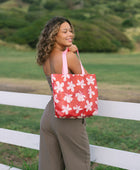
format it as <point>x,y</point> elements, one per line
<point>73,48</point>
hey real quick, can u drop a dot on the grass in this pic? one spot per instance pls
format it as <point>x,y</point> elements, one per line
<point>114,68</point>
<point>109,68</point>
<point>108,132</point>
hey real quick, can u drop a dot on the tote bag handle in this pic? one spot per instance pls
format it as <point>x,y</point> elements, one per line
<point>65,64</point>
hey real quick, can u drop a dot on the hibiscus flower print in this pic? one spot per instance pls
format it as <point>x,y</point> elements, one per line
<point>81,83</point>
<point>95,112</point>
<point>55,98</point>
<point>82,115</point>
<point>65,76</point>
<point>80,97</point>
<point>71,86</point>
<point>90,80</point>
<point>66,109</point>
<point>90,92</point>
<point>96,101</point>
<point>88,106</point>
<point>59,87</point>
<point>68,98</point>
<point>96,87</point>
<point>77,108</point>
<point>53,78</point>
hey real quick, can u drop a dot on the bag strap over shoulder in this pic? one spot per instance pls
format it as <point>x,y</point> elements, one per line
<point>65,64</point>
<point>82,68</point>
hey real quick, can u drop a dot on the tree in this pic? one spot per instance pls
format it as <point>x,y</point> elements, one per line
<point>2,1</point>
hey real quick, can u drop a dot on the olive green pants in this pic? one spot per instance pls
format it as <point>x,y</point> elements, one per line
<point>63,143</point>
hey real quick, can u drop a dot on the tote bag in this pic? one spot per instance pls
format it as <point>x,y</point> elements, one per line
<point>74,95</point>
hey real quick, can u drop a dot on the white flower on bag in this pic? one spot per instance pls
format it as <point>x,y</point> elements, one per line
<point>59,87</point>
<point>55,98</point>
<point>96,87</point>
<point>65,76</point>
<point>68,98</point>
<point>71,86</point>
<point>96,101</point>
<point>80,97</point>
<point>90,80</point>
<point>90,92</point>
<point>77,108</point>
<point>53,78</point>
<point>66,109</point>
<point>82,115</point>
<point>95,112</point>
<point>88,106</point>
<point>81,83</point>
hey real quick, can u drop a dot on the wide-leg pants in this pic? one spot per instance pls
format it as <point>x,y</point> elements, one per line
<point>63,143</point>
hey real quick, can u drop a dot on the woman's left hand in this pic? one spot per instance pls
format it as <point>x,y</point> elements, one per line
<point>73,48</point>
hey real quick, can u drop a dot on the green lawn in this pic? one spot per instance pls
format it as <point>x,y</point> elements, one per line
<point>114,68</point>
<point>109,68</point>
<point>108,132</point>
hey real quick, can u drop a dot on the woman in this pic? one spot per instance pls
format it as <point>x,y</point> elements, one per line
<point>63,142</point>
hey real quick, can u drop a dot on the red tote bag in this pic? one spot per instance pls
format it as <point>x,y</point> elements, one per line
<point>74,95</point>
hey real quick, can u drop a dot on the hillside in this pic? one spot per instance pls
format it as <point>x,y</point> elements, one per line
<point>100,26</point>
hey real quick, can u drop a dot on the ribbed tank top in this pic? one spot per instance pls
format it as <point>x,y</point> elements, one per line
<point>49,82</point>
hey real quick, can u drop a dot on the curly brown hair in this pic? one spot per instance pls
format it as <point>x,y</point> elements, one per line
<point>47,38</point>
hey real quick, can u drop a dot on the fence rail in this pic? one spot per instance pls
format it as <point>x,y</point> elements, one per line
<point>99,154</point>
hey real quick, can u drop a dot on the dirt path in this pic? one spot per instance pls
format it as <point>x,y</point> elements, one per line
<point>127,93</point>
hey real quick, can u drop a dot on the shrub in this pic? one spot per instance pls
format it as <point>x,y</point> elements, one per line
<point>118,38</point>
<point>6,32</point>
<point>12,21</point>
<point>118,7</point>
<point>91,42</point>
<point>137,38</point>
<point>50,5</point>
<point>79,15</point>
<point>28,35</point>
<point>137,5</point>
<point>28,1</point>
<point>31,16</point>
<point>94,32</point>
<point>34,7</point>
<point>129,22</point>
<point>3,1</point>
<point>90,38</point>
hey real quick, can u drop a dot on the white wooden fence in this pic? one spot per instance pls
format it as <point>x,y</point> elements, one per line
<point>99,154</point>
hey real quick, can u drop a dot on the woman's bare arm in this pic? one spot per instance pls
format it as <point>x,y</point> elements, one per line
<point>74,63</point>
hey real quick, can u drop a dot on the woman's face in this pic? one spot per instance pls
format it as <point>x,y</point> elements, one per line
<point>65,36</point>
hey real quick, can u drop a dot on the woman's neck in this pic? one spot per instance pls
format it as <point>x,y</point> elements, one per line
<point>59,48</point>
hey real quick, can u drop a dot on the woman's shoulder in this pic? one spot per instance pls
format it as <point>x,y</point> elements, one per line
<point>71,56</point>
<point>73,63</point>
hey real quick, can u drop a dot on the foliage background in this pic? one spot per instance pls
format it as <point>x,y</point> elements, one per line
<point>100,26</point>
